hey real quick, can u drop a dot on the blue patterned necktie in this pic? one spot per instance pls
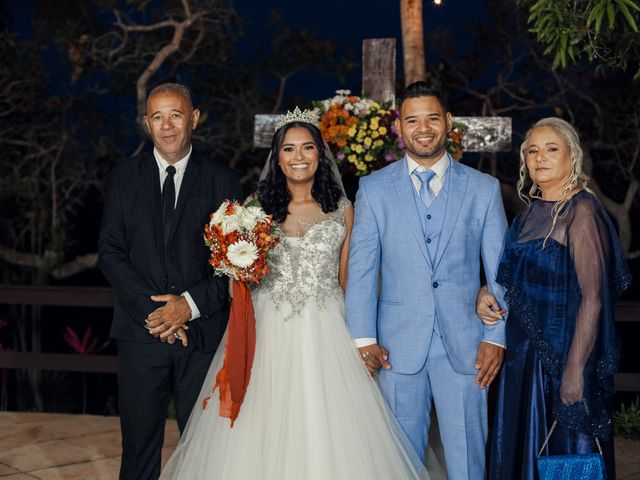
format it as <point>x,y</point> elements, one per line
<point>426,194</point>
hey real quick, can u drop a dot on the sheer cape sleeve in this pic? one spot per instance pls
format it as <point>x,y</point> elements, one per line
<point>593,349</point>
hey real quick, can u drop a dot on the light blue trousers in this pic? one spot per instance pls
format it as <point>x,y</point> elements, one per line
<point>461,408</point>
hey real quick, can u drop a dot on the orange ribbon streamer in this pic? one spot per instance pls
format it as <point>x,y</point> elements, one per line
<point>233,378</point>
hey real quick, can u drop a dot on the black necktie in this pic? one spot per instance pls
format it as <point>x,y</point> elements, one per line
<point>168,202</point>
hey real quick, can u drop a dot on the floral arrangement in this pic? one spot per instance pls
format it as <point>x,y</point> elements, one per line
<point>454,143</point>
<point>359,131</point>
<point>362,135</point>
<point>240,238</point>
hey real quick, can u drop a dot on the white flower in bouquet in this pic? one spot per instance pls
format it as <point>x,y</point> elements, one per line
<point>246,219</point>
<point>230,223</point>
<point>242,253</point>
<point>257,214</point>
<point>241,218</point>
<point>218,216</point>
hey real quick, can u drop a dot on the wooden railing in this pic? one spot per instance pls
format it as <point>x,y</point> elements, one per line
<point>98,297</point>
<point>95,297</point>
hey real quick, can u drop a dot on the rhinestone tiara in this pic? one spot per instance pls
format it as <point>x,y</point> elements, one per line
<point>305,116</point>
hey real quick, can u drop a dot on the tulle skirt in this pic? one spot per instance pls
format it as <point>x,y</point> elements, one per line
<point>311,411</point>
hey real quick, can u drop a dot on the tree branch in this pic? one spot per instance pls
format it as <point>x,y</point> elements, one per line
<point>37,262</point>
<point>75,266</point>
<point>160,57</point>
<point>143,28</point>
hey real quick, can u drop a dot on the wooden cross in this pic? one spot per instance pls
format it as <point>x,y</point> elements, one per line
<point>483,134</point>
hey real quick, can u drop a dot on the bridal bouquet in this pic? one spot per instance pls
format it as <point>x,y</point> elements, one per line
<point>240,238</point>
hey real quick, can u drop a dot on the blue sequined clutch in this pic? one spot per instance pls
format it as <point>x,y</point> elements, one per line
<point>587,466</point>
<point>584,466</point>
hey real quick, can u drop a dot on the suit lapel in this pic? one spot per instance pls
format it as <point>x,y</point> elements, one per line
<point>151,186</point>
<point>190,176</point>
<point>458,180</point>
<point>407,201</point>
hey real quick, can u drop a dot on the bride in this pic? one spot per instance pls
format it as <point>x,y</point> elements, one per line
<point>311,411</point>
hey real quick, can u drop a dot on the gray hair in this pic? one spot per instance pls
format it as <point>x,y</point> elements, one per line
<point>577,180</point>
<point>172,88</point>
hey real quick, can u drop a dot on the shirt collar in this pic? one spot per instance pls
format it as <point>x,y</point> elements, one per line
<point>440,167</point>
<point>180,165</point>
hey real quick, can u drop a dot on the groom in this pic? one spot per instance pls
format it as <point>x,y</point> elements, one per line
<point>422,226</point>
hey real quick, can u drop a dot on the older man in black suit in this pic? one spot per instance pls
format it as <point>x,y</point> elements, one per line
<point>170,312</point>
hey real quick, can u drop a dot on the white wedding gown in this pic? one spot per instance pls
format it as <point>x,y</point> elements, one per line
<point>312,411</point>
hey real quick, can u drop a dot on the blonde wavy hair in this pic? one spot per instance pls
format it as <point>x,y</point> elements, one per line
<point>576,181</point>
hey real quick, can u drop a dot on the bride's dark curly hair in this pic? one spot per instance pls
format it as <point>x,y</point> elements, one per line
<point>273,193</point>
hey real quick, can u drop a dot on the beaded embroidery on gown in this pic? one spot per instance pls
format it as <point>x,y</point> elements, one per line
<point>311,411</point>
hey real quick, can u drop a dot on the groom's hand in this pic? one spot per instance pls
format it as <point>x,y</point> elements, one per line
<point>375,357</point>
<point>488,363</point>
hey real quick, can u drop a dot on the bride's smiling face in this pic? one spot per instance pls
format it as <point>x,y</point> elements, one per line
<point>298,155</point>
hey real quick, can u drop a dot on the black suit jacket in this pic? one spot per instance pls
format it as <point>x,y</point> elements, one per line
<point>132,253</point>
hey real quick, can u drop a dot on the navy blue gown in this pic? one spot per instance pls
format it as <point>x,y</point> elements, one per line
<point>560,292</point>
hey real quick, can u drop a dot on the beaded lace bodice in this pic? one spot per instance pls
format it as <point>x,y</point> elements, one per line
<point>306,267</point>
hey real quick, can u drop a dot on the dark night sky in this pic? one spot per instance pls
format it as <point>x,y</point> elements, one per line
<point>348,22</point>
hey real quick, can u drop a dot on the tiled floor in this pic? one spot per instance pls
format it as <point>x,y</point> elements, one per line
<point>47,446</point>
<point>64,447</point>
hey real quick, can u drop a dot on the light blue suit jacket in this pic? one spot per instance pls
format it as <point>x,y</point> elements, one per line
<point>396,292</point>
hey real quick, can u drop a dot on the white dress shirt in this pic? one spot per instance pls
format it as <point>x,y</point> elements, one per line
<point>180,166</point>
<point>440,168</point>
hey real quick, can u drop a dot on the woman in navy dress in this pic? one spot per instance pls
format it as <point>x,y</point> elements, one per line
<point>562,269</point>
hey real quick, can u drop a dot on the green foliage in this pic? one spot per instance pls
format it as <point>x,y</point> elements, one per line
<point>627,420</point>
<point>602,30</point>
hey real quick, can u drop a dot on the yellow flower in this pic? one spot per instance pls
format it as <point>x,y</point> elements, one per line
<point>358,148</point>
<point>367,141</point>
<point>378,143</point>
<point>382,130</point>
<point>361,165</point>
<point>368,157</point>
<point>375,134</point>
<point>352,132</point>
<point>351,158</point>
